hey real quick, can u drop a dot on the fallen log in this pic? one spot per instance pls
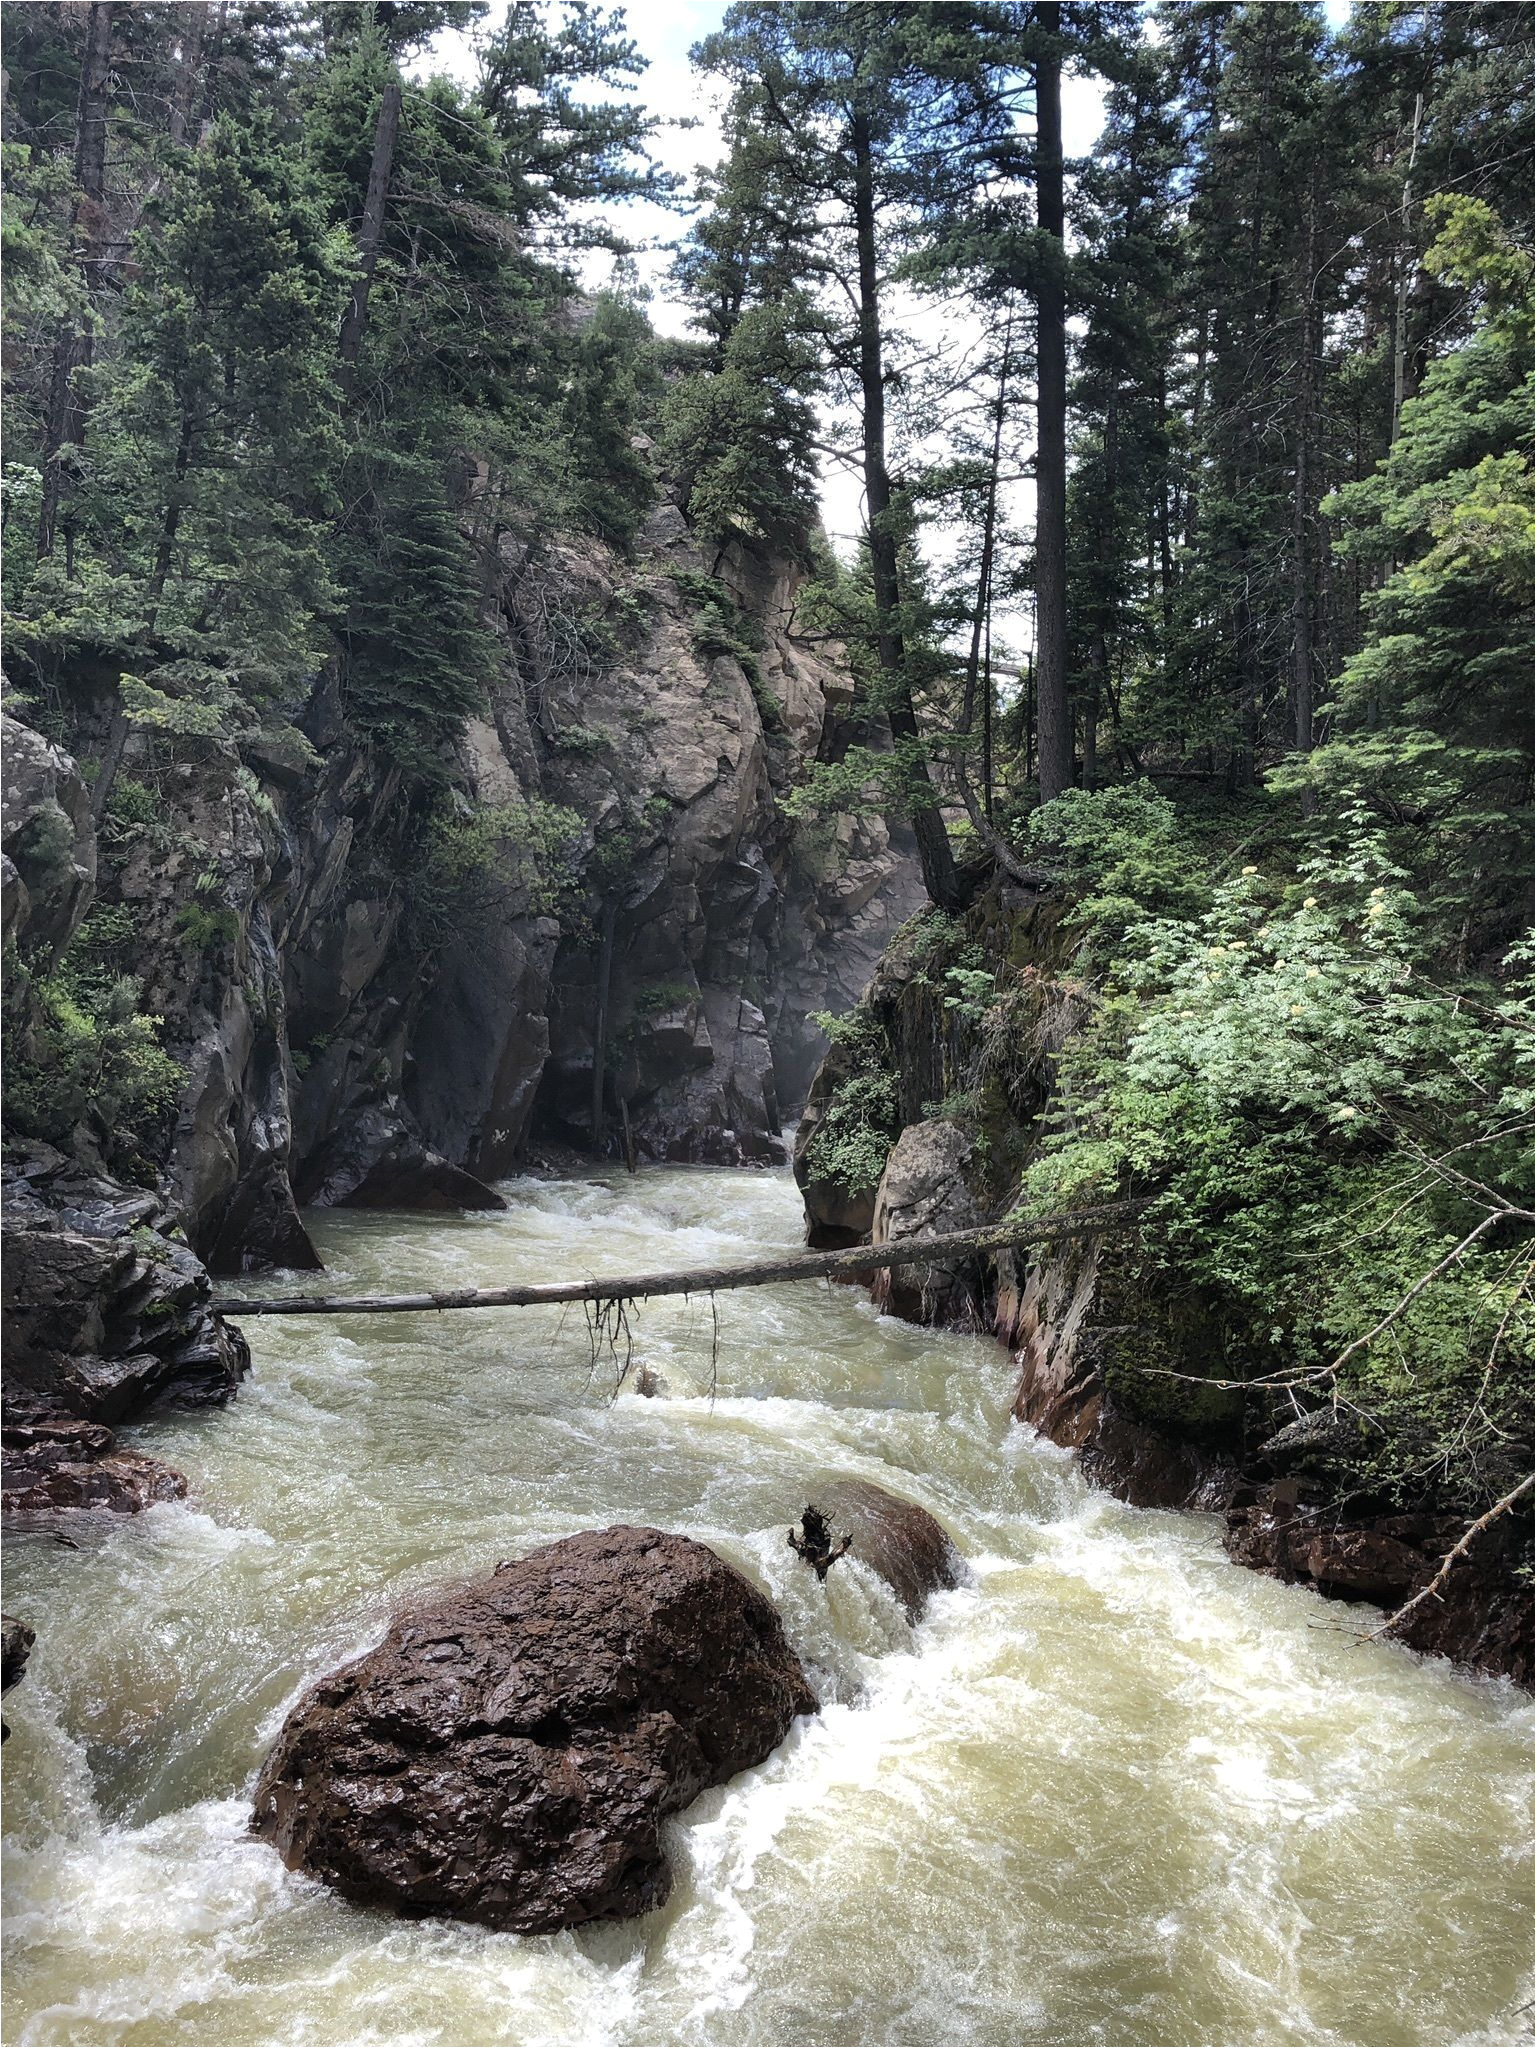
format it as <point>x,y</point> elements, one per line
<point>844,1265</point>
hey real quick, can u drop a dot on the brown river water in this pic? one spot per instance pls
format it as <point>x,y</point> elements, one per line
<point>1116,1790</point>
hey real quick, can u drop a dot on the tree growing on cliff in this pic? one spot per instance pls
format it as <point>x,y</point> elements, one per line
<point>844,123</point>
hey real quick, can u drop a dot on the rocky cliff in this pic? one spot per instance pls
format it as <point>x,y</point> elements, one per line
<point>922,1118</point>
<point>357,1020</point>
<point>247,976</point>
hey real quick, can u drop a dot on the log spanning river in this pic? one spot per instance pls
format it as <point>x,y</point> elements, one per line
<point>1116,1790</point>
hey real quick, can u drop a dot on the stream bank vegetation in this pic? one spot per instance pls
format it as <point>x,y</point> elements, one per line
<point>1230,742</point>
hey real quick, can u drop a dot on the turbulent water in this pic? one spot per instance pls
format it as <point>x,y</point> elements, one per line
<point>1116,1790</point>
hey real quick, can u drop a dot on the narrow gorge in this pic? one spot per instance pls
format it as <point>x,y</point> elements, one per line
<point>766,1159</point>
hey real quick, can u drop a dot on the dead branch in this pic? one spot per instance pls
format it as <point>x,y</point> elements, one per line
<point>1448,1562</point>
<point>851,1264</point>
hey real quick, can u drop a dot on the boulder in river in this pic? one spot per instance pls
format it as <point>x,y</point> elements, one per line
<point>508,1753</point>
<point>909,1549</point>
<point>52,1461</point>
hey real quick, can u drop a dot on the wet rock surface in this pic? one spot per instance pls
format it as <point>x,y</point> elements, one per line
<point>104,1317</point>
<point>1481,1615</point>
<point>376,1162</point>
<point>509,1752</point>
<point>16,1641</point>
<point>907,1546</point>
<point>926,1191</point>
<point>52,1462</point>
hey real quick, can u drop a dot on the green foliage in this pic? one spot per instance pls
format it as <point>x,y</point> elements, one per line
<point>1436,701</point>
<point>90,1055</point>
<point>658,998</point>
<point>611,384</point>
<point>855,1136</point>
<point>202,927</point>
<point>740,435</point>
<point>475,866</point>
<point>1121,853</point>
<point>1279,1070</point>
<point>133,807</point>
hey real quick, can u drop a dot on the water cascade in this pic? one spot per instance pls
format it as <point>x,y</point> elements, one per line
<point>1113,1789</point>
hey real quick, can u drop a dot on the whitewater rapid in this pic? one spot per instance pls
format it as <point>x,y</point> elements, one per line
<point>1115,1790</point>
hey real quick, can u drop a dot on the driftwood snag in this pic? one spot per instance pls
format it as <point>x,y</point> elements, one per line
<point>853,1264</point>
<point>814,1543</point>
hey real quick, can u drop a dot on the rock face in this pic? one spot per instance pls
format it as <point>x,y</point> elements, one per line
<point>48,840</point>
<point>1481,1615</point>
<point>926,1189</point>
<point>349,1036</point>
<point>901,1541</point>
<point>508,1754</point>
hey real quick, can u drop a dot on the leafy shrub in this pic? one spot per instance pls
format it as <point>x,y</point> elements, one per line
<point>203,926</point>
<point>91,1054</point>
<point>1314,1117</point>
<point>519,858</point>
<point>133,807</point>
<point>855,1137</point>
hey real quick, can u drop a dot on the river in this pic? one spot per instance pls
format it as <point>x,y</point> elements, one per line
<point>1116,1790</point>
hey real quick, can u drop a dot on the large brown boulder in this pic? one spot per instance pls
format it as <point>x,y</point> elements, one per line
<point>909,1549</point>
<point>509,1753</point>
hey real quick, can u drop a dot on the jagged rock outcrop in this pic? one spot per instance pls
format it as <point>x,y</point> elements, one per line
<point>928,1188</point>
<point>1480,1616</point>
<point>908,1548</point>
<point>509,1752</point>
<point>16,1641</point>
<point>104,1313</point>
<point>104,1316</point>
<point>727,928</point>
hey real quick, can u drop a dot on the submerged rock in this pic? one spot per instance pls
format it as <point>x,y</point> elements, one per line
<point>509,1753</point>
<point>909,1549</point>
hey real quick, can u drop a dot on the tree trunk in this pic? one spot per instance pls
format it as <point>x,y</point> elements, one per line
<point>1404,247</point>
<point>861,1259</point>
<point>355,321</point>
<point>1054,712</point>
<point>981,624</point>
<point>207,104</point>
<point>928,826</point>
<point>64,425</point>
<point>1302,506</point>
<point>195,17</point>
